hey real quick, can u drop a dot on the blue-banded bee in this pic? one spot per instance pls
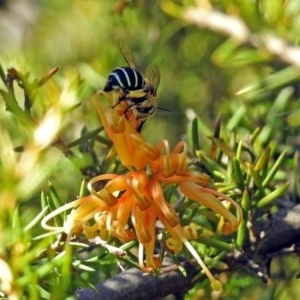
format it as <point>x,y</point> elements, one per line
<point>133,88</point>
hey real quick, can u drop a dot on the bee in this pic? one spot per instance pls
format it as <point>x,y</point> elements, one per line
<point>134,89</point>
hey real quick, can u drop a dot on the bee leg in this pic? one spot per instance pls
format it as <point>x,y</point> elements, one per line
<point>113,106</point>
<point>119,101</point>
<point>124,95</point>
<point>140,125</point>
<point>128,108</point>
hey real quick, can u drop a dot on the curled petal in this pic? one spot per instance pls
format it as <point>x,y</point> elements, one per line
<point>166,167</point>
<point>201,179</point>
<point>168,164</point>
<point>174,179</point>
<point>85,211</point>
<point>107,197</point>
<point>176,162</point>
<point>161,166</point>
<point>100,219</point>
<point>108,193</point>
<point>73,225</point>
<point>149,222</point>
<point>181,147</point>
<point>179,163</point>
<point>86,208</point>
<point>144,223</point>
<point>229,227</point>
<point>125,204</point>
<point>152,262</point>
<point>164,144</point>
<point>115,228</point>
<point>98,179</point>
<point>205,196</point>
<point>140,193</point>
<point>117,184</point>
<point>90,231</point>
<point>190,232</point>
<point>162,205</point>
<point>122,234</point>
<point>141,219</point>
<point>163,163</point>
<point>174,244</point>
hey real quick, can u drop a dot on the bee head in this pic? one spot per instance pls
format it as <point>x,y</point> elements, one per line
<point>149,89</point>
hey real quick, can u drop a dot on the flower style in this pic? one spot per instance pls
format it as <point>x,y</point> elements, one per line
<point>138,195</point>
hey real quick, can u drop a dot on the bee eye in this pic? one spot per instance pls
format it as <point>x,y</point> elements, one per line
<point>149,89</point>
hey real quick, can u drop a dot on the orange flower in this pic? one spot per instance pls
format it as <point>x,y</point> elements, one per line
<point>132,149</point>
<point>137,197</point>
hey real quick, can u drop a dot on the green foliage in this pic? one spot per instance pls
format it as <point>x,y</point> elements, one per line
<point>51,140</point>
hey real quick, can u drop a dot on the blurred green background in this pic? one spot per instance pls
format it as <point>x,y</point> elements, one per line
<point>81,36</point>
<point>203,71</point>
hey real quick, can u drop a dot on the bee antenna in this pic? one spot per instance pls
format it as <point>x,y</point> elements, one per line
<point>163,108</point>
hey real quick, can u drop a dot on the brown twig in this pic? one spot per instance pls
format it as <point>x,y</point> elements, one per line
<point>133,284</point>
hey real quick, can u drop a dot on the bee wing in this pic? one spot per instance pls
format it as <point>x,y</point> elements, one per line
<point>127,53</point>
<point>153,75</point>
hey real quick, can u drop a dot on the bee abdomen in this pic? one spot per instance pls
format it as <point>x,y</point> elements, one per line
<point>125,78</point>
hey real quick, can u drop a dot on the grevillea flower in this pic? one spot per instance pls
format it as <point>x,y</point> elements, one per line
<point>137,197</point>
